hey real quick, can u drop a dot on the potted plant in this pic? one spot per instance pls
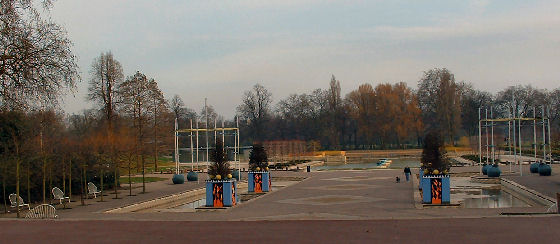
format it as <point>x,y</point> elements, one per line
<point>258,177</point>
<point>435,178</point>
<point>220,187</point>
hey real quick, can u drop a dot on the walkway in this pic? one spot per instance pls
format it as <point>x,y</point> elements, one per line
<point>468,230</point>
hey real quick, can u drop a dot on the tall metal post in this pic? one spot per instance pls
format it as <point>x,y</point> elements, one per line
<point>192,152</point>
<point>197,145</point>
<point>235,148</point>
<point>216,132</point>
<point>549,132</point>
<point>479,141</point>
<point>543,136</point>
<point>514,113</point>
<point>492,129</point>
<point>535,131</point>
<point>238,148</point>
<point>509,136</point>
<point>520,148</point>
<point>207,160</point>
<point>223,133</point>
<point>487,142</point>
<point>176,149</point>
<point>509,131</point>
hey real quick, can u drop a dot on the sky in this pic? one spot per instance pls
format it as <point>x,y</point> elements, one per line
<point>219,49</point>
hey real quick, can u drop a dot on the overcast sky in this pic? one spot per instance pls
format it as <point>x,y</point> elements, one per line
<point>219,49</point>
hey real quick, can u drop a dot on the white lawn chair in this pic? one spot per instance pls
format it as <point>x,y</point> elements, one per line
<point>43,211</point>
<point>13,201</point>
<point>92,190</point>
<point>59,195</point>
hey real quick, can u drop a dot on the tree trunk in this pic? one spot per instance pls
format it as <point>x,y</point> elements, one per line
<point>129,179</point>
<point>50,181</point>
<point>102,176</point>
<point>28,183</point>
<point>143,175</point>
<point>63,176</point>
<point>70,178</point>
<point>82,180</point>
<point>116,180</point>
<point>4,194</point>
<point>155,140</point>
<point>44,179</point>
<point>17,185</point>
<point>17,176</point>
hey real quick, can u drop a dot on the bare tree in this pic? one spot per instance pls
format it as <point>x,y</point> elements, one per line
<point>177,106</point>
<point>439,97</point>
<point>36,60</point>
<point>135,93</point>
<point>335,112</point>
<point>106,75</point>
<point>255,108</point>
<point>158,109</point>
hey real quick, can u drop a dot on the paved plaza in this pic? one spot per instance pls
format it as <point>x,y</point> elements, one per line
<point>331,206</point>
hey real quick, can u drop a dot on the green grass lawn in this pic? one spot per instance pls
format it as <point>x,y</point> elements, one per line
<point>124,180</point>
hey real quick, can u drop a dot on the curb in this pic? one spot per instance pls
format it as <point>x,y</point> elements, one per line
<point>532,194</point>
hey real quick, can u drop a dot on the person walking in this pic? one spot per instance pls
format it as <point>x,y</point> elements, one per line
<point>407,173</point>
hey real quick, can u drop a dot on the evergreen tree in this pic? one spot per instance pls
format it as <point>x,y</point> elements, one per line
<point>220,165</point>
<point>434,154</point>
<point>258,158</point>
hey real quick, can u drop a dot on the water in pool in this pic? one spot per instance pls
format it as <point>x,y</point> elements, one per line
<point>486,198</point>
<point>398,163</point>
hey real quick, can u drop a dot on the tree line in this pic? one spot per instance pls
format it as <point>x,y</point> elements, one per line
<point>388,115</point>
<point>130,127</point>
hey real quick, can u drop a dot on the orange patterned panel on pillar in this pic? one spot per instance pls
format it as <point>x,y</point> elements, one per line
<point>233,194</point>
<point>258,182</point>
<point>218,194</point>
<point>436,191</point>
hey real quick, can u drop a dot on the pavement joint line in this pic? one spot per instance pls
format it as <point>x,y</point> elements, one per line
<point>269,193</point>
<point>280,220</point>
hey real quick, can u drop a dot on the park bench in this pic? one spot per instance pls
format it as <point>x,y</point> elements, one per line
<point>59,195</point>
<point>13,201</point>
<point>43,211</point>
<point>92,190</point>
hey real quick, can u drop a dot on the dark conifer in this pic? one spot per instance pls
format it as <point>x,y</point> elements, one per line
<point>258,158</point>
<point>220,165</point>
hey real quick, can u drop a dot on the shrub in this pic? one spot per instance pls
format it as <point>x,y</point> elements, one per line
<point>434,154</point>
<point>258,158</point>
<point>220,165</point>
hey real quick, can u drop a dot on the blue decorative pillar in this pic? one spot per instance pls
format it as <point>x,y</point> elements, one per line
<point>446,190</point>
<point>436,189</point>
<point>221,193</point>
<point>426,186</point>
<point>420,174</point>
<point>266,182</point>
<point>258,181</point>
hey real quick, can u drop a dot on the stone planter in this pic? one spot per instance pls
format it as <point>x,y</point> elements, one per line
<point>485,169</point>
<point>178,179</point>
<point>494,171</point>
<point>436,189</point>
<point>221,193</point>
<point>534,168</point>
<point>258,181</point>
<point>192,176</point>
<point>545,170</point>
